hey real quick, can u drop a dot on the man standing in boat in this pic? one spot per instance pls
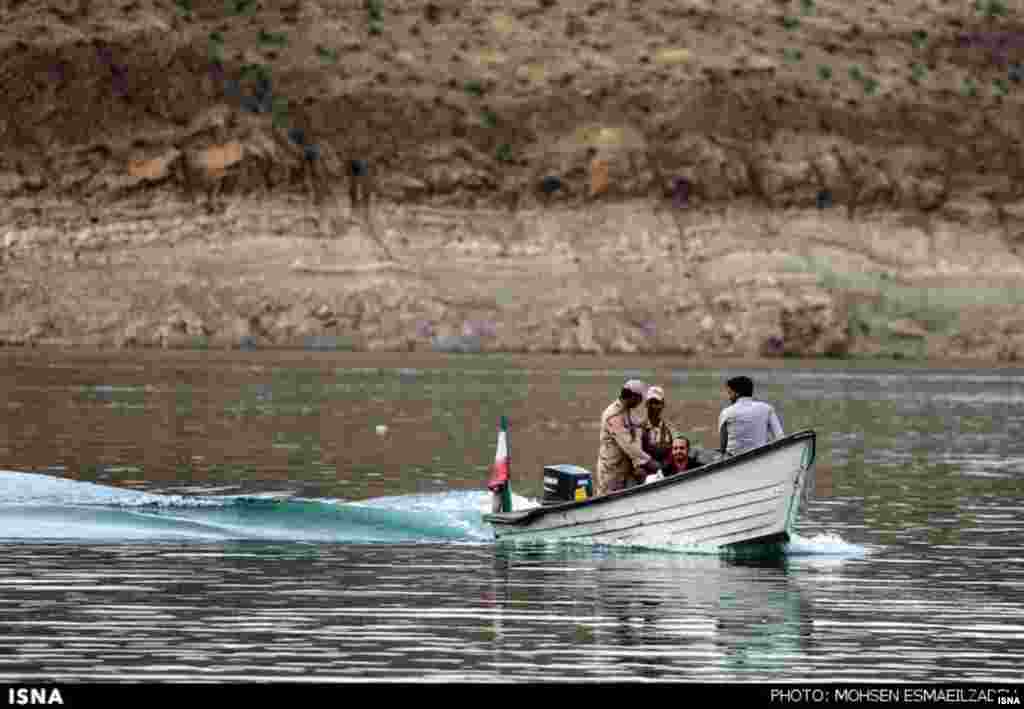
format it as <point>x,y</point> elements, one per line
<point>621,460</point>
<point>657,432</point>
<point>746,423</point>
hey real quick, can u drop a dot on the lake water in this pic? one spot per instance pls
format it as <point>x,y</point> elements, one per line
<point>235,516</point>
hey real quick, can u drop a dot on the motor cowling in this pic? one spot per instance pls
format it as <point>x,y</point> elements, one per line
<point>566,483</point>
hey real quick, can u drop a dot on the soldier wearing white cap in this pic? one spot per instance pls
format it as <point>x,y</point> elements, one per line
<point>621,460</point>
<point>657,432</point>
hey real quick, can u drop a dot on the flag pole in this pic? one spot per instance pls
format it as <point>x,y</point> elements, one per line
<point>500,483</point>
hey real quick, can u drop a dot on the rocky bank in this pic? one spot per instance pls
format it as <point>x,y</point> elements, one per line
<point>699,178</point>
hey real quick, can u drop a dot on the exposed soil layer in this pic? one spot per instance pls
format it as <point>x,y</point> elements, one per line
<point>701,178</point>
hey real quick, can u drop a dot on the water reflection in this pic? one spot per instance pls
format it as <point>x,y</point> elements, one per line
<point>655,615</point>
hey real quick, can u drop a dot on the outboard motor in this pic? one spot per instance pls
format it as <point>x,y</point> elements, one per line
<point>566,483</point>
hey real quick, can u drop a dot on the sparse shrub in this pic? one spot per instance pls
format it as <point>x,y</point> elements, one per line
<point>240,7</point>
<point>1002,87</point>
<point>257,72</point>
<point>375,13</point>
<point>970,88</point>
<point>824,72</point>
<point>474,88</point>
<point>489,119</point>
<point>807,6</point>
<point>871,86</point>
<point>792,55</point>
<point>326,54</point>
<point>917,73</point>
<point>184,8</point>
<point>216,47</point>
<point>918,38</point>
<point>991,8</point>
<point>279,112</point>
<point>275,39</point>
<point>504,152</point>
<point>790,23</point>
<point>856,73</point>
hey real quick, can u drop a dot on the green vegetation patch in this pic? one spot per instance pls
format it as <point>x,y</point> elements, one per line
<point>241,7</point>
<point>329,55</point>
<point>216,47</point>
<point>255,72</point>
<point>279,112</point>
<point>273,39</point>
<point>375,15</point>
<point>917,73</point>
<point>991,8</point>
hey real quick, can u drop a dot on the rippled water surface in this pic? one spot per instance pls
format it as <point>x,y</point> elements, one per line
<point>232,516</point>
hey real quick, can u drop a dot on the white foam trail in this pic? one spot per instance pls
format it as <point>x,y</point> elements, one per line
<point>38,489</point>
<point>827,544</point>
<point>458,509</point>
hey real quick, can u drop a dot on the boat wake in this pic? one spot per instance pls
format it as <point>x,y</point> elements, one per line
<point>829,545</point>
<point>42,508</point>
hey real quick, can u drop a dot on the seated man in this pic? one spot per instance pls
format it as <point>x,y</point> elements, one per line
<point>682,461</point>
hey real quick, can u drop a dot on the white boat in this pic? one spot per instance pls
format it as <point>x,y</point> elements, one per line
<point>750,498</point>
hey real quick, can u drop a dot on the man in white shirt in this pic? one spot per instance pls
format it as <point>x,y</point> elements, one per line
<point>746,423</point>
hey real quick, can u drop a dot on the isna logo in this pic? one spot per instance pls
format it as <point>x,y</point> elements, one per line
<point>23,696</point>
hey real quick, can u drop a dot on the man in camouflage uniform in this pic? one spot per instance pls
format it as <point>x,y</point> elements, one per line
<point>657,432</point>
<point>621,460</point>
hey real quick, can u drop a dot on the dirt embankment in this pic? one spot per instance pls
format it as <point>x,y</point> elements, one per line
<point>700,178</point>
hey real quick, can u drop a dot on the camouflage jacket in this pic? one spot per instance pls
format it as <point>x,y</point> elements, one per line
<point>657,440</point>
<point>621,452</point>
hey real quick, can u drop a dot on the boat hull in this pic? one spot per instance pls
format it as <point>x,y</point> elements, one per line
<point>753,498</point>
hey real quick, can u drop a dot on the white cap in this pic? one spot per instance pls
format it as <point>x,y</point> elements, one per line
<point>636,386</point>
<point>656,393</point>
